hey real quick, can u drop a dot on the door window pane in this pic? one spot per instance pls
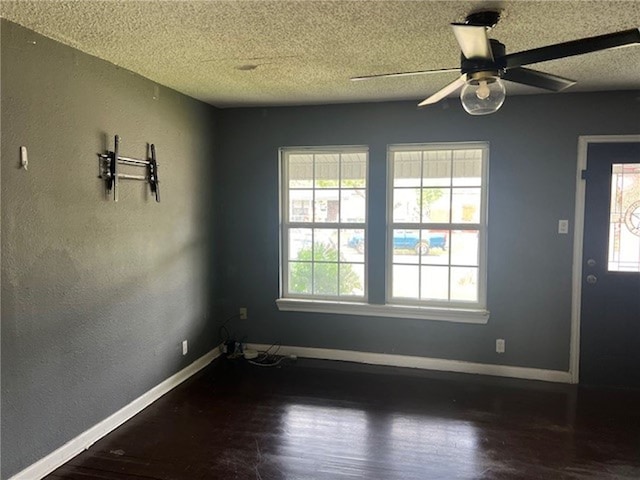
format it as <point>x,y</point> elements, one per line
<point>624,218</point>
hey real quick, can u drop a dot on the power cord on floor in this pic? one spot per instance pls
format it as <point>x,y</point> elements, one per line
<point>235,349</point>
<point>268,359</point>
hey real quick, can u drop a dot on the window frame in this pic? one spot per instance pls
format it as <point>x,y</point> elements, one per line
<point>482,227</point>
<point>360,306</point>
<point>286,225</point>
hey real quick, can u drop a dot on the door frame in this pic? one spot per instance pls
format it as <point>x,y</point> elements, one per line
<point>578,233</point>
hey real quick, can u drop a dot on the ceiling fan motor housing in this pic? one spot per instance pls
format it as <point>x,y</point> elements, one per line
<point>496,66</point>
<point>483,18</point>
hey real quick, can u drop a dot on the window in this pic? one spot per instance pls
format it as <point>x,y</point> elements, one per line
<point>323,217</point>
<point>437,233</point>
<point>624,218</point>
<point>436,227</point>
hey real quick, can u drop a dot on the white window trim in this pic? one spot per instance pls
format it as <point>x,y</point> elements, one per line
<point>479,306</point>
<point>285,224</point>
<point>457,315</point>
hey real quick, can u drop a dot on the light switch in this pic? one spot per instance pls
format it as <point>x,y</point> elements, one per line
<point>24,158</point>
<point>563,226</point>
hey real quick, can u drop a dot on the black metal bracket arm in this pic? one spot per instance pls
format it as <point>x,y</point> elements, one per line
<point>109,170</point>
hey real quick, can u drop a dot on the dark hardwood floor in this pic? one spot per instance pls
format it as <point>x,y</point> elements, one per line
<point>324,420</point>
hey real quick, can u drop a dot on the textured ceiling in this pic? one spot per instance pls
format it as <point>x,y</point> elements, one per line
<point>254,53</point>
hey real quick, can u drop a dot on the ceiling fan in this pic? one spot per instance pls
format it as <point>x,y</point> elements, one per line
<point>484,63</point>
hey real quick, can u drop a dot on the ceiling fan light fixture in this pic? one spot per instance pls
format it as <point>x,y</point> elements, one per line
<point>483,94</point>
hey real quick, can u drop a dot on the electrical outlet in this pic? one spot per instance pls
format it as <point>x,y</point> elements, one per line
<point>243,313</point>
<point>500,345</point>
<point>185,347</point>
<point>563,227</point>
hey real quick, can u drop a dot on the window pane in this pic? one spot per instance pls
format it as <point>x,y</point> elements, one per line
<point>624,218</point>
<point>405,281</point>
<point>435,205</point>
<point>300,244</point>
<point>406,169</point>
<point>464,247</point>
<point>325,279</point>
<point>300,170</point>
<point>434,283</point>
<point>327,206</point>
<point>465,205</point>
<point>437,168</point>
<point>353,170</point>
<point>406,205</point>
<point>325,242</point>
<point>300,275</point>
<point>300,202</point>
<point>352,206</point>
<point>406,245</point>
<point>327,170</point>
<point>433,243</point>
<point>351,279</point>
<point>352,245</point>
<point>467,168</point>
<point>464,284</point>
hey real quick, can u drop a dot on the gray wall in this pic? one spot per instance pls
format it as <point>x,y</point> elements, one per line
<point>96,296</point>
<point>533,154</point>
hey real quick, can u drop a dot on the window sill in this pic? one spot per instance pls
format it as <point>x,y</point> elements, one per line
<point>456,315</point>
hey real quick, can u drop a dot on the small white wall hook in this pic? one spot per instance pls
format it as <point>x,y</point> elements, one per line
<point>24,159</point>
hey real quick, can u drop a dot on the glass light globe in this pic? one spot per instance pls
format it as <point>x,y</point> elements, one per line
<point>484,96</point>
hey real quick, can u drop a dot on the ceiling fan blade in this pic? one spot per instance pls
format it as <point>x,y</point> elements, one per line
<point>473,40</point>
<point>405,74</point>
<point>449,89</point>
<point>538,79</point>
<point>574,47</point>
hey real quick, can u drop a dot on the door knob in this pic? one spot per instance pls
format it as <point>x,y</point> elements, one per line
<point>592,279</point>
<point>591,262</point>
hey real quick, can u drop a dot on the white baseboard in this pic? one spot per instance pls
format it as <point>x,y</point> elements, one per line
<point>83,441</point>
<point>423,363</point>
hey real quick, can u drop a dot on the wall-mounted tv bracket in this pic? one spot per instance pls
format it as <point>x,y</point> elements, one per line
<point>109,171</point>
